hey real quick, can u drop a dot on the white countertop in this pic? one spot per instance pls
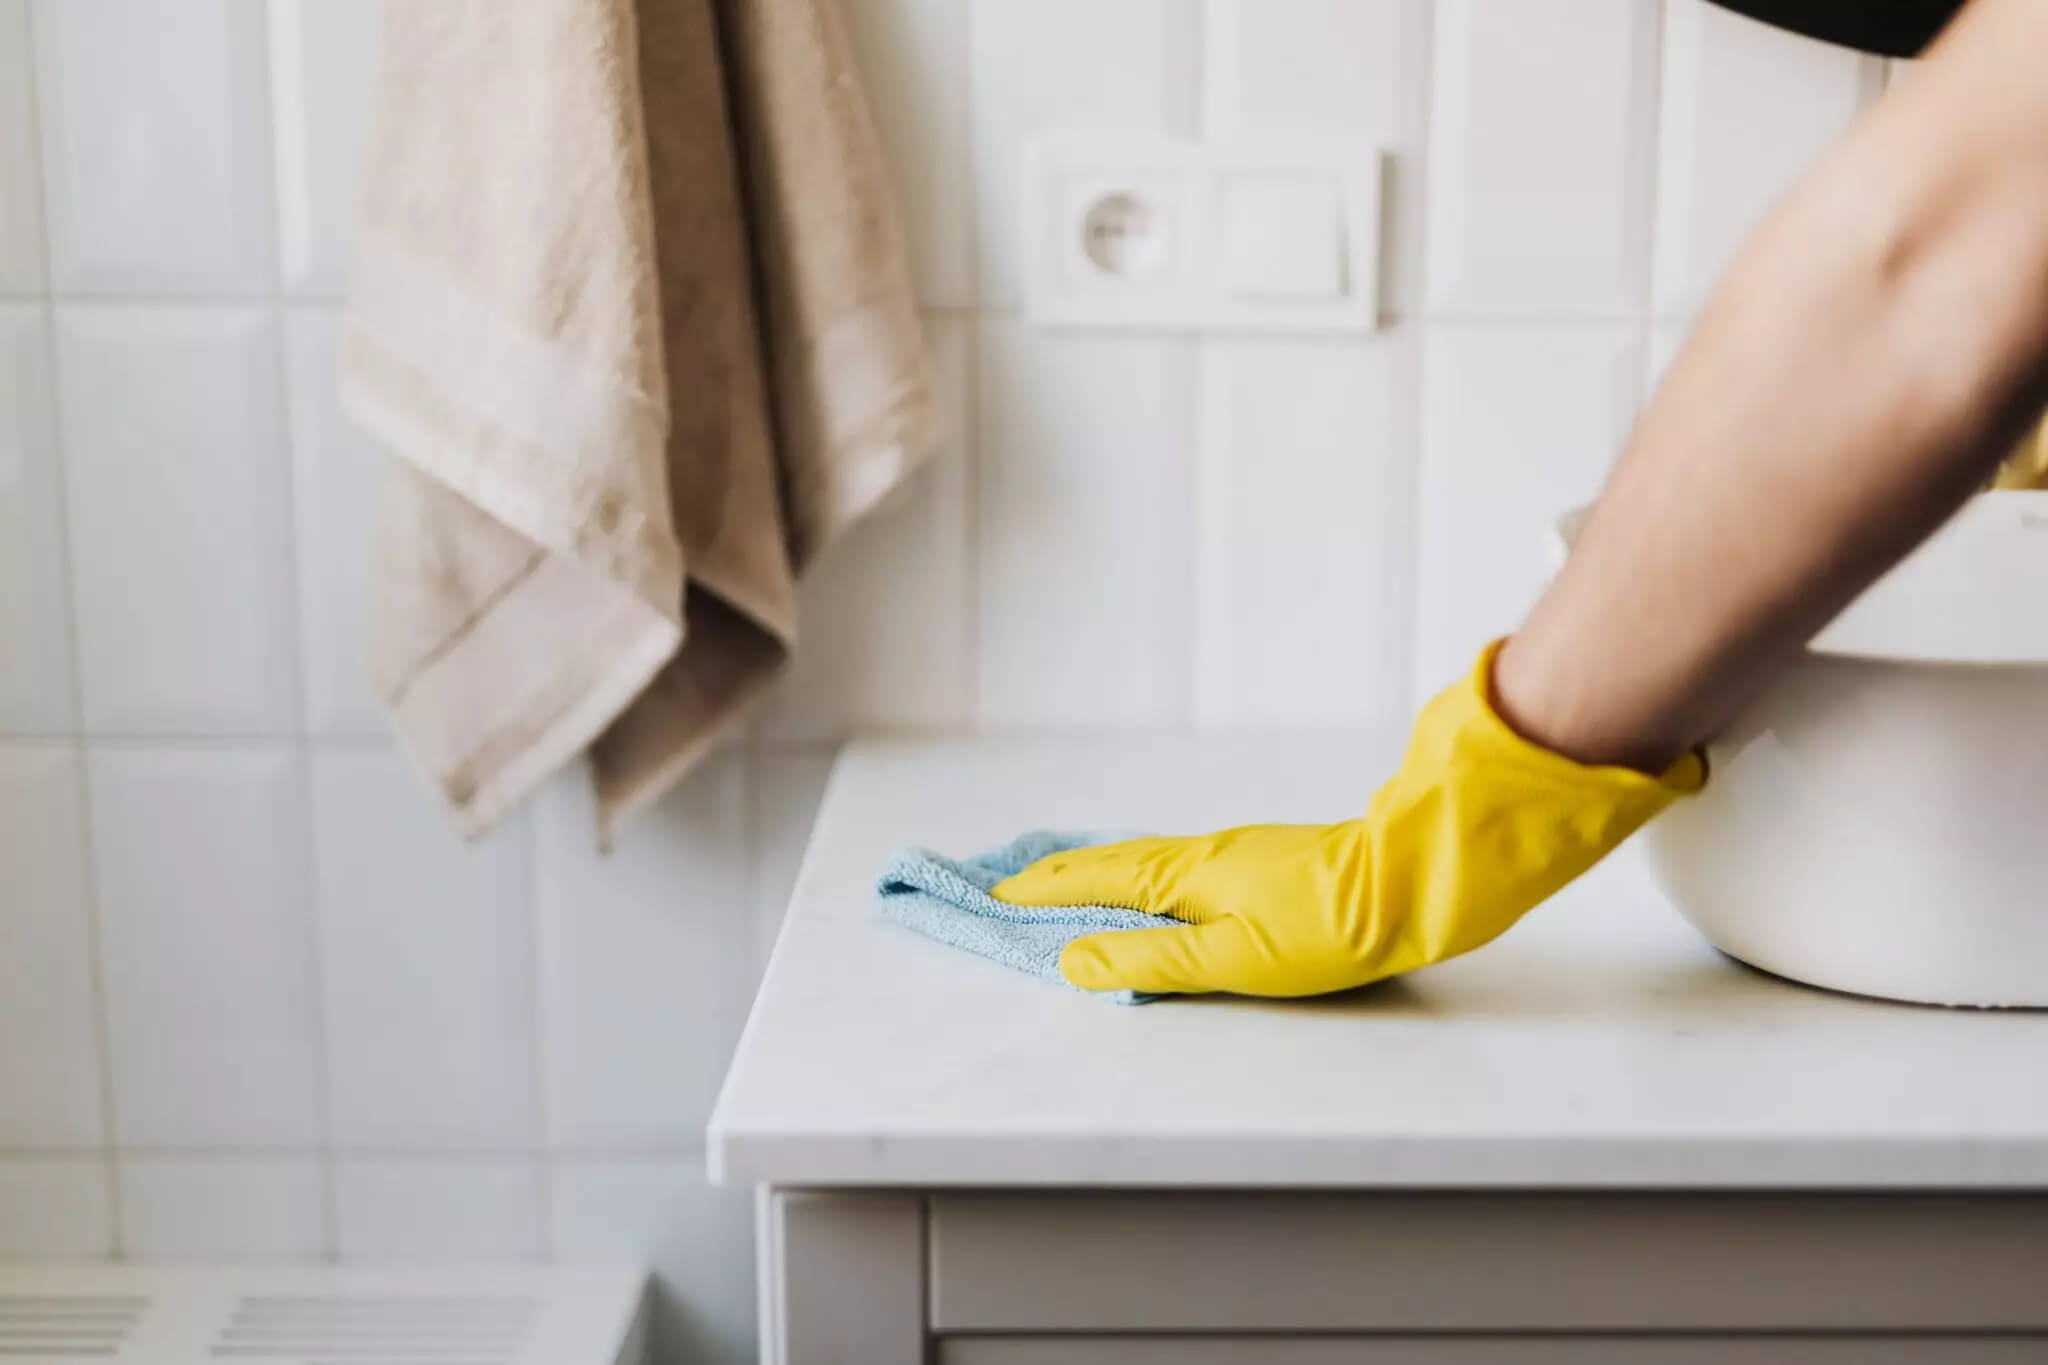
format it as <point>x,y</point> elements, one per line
<point>1601,1043</point>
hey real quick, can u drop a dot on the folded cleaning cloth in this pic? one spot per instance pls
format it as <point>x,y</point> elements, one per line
<point>632,312</point>
<point>948,899</point>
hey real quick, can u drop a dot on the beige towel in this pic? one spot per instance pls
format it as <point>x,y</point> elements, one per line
<point>632,315</point>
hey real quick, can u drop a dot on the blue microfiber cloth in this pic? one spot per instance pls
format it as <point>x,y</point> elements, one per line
<point>948,899</point>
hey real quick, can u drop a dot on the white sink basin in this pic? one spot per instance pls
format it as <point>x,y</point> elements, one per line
<point>1877,821</point>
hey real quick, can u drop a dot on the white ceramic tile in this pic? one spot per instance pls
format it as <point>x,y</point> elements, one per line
<point>55,1210</point>
<point>334,479</point>
<point>21,199</point>
<point>469,1211</point>
<point>1746,108</point>
<point>243,1210</point>
<point>1085,497</point>
<point>883,616</point>
<point>646,957</point>
<point>1520,424</point>
<point>323,65</point>
<point>1301,568</point>
<point>1315,66</point>
<point>49,1027</point>
<point>1535,157</point>
<point>913,56</point>
<point>426,947</point>
<point>1088,65</point>
<point>35,680</point>
<point>206,945</point>
<point>179,518</point>
<point>787,788</point>
<point>697,1240</point>
<point>155,144</point>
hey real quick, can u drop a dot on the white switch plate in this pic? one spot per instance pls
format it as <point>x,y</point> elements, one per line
<point>1140,232</point>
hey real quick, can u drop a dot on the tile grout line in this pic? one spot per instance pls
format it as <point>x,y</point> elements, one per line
<point>537,1041</point>
<point>1187,376</point>
<point>973,321</point>
<point>1647,154</point>
<point>88,862</point>
<point>270,51</point>
<point>1417,117</point>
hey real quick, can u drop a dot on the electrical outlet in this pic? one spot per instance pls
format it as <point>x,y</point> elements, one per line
<point>1156,233</point>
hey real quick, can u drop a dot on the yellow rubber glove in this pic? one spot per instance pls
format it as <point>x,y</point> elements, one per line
<point>1477,827</point>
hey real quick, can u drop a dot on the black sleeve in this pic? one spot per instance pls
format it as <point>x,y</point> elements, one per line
<point>1896,28</point>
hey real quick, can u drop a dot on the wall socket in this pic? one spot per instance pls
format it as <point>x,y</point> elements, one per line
<point>1132,232</point>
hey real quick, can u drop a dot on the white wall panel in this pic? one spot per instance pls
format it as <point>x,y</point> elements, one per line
<point>206,946</point>
<point>49,1021</point>
<point>176,474</point>
<point>21,195</point>
<point>1085,494</point>
<point>1302,580</point>
<point>35,599</point>
<point>427,950</point>
<point>323,67</point>
<point>1520,424</point>
<point>1537,156</point>
<point>156,152</point>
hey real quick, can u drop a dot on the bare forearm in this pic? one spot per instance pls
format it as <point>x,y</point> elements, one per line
<point>1880,344</point>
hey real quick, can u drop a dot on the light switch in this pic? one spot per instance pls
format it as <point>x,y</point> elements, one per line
<point>1283,236</point>
<point>1128,231</point>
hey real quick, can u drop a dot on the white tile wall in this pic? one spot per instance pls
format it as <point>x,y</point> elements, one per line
<point>453,1212</point>
<point>427,955</point>
<point>330,1026</point>
<point>155,127</point>
<point>21,216</point>
<point>648,942</point>
<point>242,1210</point>
<point>55,1209</point>
<point>177,489</point>
<point>323,63</point>
<point>1086,488</point>
<point>35,686</point>
<point>49,1022</point>
<point>206,947</point>
<point>1536,169</point>
<point>1301,575</point>
<point>1520,423</point>
<point>334,481</point>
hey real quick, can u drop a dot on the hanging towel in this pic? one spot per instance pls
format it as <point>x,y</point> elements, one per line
<point>632,315</point>
<point>949,900</point>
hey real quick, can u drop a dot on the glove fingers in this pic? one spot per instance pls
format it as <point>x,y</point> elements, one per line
<point>1129,874</point>
<point>1187,959</point>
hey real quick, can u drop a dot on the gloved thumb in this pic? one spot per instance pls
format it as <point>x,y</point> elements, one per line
<point>1186,959</point>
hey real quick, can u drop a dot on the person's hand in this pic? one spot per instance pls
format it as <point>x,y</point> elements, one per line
<point>1478,826</point>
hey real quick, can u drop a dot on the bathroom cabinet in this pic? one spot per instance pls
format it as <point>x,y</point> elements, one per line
<point>1596,1141</point>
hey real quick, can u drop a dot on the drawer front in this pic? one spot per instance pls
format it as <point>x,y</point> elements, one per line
<point>1455,1262</point>
<point>1858,1350</point>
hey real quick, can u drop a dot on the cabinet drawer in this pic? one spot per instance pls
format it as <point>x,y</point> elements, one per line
<point>1856,1350</point>
<point>1455,1262</point>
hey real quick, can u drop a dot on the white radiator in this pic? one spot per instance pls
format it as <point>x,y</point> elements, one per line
<point>144,1315</point>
